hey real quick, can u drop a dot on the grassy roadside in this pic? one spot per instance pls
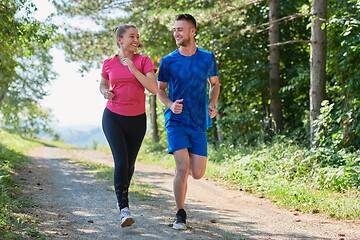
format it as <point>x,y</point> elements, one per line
<point>287,174</point>
<point>264,172</point>
<point>138,190</point>
<point>291,176</point>
<point>13,223</point>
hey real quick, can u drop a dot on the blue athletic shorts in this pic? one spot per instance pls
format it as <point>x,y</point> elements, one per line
<point>180,137</point>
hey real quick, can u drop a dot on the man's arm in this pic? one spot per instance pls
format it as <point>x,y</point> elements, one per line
<point>214,95</point>
<point>176,107</point>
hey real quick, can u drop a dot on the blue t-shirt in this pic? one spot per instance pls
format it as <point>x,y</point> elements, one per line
<point>187,78</point>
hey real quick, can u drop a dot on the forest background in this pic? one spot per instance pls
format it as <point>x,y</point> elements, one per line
<point>289,107</point>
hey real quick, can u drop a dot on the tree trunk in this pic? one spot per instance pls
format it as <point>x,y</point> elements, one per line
<point>317,62</point>
<point>155,130</point>
<point>220,135</point>
<point>2,95</point>
<point>275,100</point>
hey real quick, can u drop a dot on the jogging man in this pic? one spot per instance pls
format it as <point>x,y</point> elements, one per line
<point>186,72</point>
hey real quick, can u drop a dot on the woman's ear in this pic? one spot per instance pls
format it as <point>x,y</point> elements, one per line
<point>119,41</point>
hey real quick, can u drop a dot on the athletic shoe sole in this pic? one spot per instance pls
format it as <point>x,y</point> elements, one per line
<point>127,222</point>
<point>179,226</point>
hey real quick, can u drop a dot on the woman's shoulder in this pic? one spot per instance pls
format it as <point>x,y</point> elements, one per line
<point>108,60</point>
<point>142,57</point>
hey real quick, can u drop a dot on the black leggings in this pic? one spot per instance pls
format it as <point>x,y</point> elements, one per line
<point>125,135</point>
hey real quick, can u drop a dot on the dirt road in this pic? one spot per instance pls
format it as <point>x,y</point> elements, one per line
<point>73,204</point>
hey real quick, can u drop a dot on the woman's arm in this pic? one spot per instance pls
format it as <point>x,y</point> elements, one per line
<point>105,89</point>
<point>148,80</point>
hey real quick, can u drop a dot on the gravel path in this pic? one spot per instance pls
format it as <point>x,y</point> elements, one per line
<point>73,204</point>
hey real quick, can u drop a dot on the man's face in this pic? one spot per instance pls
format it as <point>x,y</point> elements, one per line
<point>183,32</point>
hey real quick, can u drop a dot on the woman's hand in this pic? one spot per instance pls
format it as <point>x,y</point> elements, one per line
<point>128,62</point>
<point>108,94</point>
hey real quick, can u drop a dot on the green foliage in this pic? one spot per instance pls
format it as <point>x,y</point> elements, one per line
<point>335,128</point>
<point>237,32</point>
<point>25,67</point>
<point>291,175</point>
<point>321,168</point>
<point>344,49</point>
<point>12,158</point>
<point>295,176</point>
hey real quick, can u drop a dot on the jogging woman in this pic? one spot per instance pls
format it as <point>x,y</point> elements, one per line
<point>123,81</point>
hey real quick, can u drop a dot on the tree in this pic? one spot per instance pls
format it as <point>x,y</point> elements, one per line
<point>274,85</point>
<point>317,61</point>
<point>91,47</point>
<point>236,31</point>
<point>25,67</point>
<point>343,50</point>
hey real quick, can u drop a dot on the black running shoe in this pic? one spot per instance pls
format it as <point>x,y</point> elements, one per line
<point>180,223</point>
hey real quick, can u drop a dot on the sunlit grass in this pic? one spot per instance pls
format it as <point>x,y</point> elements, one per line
<point>58,144</point>
<point>138,190</point>
<point>102,172</point>
<point>162,159</point>
<point>304,198</point>
<point>13,225</point>
<point>248,171</point>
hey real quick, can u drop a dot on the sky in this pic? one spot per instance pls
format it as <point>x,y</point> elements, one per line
<point>75,100</point>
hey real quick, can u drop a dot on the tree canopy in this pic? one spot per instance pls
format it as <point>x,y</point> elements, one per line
<point>237,32</point>
<point>25,67</point>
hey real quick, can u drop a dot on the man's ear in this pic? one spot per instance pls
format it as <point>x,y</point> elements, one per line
<point>193,31</point>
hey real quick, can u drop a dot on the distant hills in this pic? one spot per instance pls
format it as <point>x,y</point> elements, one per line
<point>88,136</point>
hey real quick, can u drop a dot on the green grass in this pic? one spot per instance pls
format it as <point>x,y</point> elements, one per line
<point>58,144</point>
<point>285,173</point>
<point>138,190</point>
<point>13,150</point>
<point>294,178</point>
<point>13,224</point>
<point>291,176</point>
<point>102,172</point>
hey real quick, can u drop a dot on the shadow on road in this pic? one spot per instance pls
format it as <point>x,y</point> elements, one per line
<point>73,204</point>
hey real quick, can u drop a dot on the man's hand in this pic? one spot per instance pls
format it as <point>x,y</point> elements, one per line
<point>212,111</point>
<point>176,107</point>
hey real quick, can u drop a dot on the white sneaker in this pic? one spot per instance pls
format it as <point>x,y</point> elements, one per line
<point>125,218</point>
<point>179,226</point>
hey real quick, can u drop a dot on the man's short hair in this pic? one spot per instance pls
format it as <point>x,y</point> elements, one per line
<point>186,17</point>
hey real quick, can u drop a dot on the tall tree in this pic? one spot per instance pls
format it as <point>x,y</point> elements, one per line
<point>25,67</point>
<point>317,61</point>
<point>275,99</point>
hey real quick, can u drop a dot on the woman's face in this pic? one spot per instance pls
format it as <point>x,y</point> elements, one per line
<point>130,40</point>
